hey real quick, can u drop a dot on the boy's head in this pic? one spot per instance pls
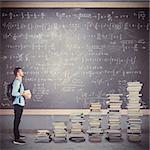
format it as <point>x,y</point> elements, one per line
<point>18,72</point>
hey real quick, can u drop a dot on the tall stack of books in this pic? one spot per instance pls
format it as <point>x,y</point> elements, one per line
<point>60,132</point>
<point>114,115</point>
<point>43,136</point>
<point>95,131</point>
<point>134,112</point>
<point>76,129</point>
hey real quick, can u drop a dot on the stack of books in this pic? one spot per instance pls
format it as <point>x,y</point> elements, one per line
<point>134,112</point>
<point>43,136</point>
<point>114,115</point>
<point>95,131</point>
<point>76,128</point>
<point>60,132</point>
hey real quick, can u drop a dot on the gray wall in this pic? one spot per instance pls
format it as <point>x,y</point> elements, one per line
<point>31,123</point>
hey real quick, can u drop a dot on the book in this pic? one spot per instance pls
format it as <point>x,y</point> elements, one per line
<point>28,94</point>
<point>94,130</point>
<point>59,139</point>
<point>134,131</point>
<point>134,137</point>
<point>135,83</point>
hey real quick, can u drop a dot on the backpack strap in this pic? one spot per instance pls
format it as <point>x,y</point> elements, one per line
<point>19,88</point>
<point>19,91</point>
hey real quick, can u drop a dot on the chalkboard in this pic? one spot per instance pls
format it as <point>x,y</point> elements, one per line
<point>74,56</point>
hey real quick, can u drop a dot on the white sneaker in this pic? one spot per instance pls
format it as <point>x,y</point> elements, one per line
<point>19,142</point>
<point>22,137</point>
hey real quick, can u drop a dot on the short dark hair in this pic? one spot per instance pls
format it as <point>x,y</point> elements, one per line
<point>16,70</point>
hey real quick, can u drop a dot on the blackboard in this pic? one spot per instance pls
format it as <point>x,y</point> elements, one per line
<point>75,56</point>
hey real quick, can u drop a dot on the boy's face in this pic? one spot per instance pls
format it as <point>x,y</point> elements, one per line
<point>21,73</point>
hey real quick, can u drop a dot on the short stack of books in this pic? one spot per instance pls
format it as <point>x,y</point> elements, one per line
<point>60,132</point>
<point>95,131</point>
<point>43,136</point>
<point>134,112</point>
<point>114,115</point>
<point>76,130</point>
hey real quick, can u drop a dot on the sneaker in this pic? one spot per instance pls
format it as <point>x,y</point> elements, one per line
<point>22,137</point>
<point>19,142</point>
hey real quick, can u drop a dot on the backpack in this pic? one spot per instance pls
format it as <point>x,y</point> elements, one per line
<point>9,92</point>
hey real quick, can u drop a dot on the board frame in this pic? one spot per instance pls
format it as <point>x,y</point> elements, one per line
<point>74,5</point>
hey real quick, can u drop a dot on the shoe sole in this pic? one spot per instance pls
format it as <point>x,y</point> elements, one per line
<point>18,143</point>
<point>22,138</point>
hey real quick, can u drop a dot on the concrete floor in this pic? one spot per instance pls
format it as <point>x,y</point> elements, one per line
<point>6,144</point>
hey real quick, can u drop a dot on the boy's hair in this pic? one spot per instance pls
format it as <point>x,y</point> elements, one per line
<point>16,70</point>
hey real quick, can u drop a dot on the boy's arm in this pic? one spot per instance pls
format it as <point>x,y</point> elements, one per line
<point>15,89</point>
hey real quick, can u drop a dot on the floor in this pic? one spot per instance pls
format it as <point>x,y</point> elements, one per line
<point>6,144</point>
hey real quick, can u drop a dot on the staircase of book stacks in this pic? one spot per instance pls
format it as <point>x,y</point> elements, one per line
<point>73,130</point>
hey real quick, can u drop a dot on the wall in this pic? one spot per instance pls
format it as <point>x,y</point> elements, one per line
<point>32,123</point>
